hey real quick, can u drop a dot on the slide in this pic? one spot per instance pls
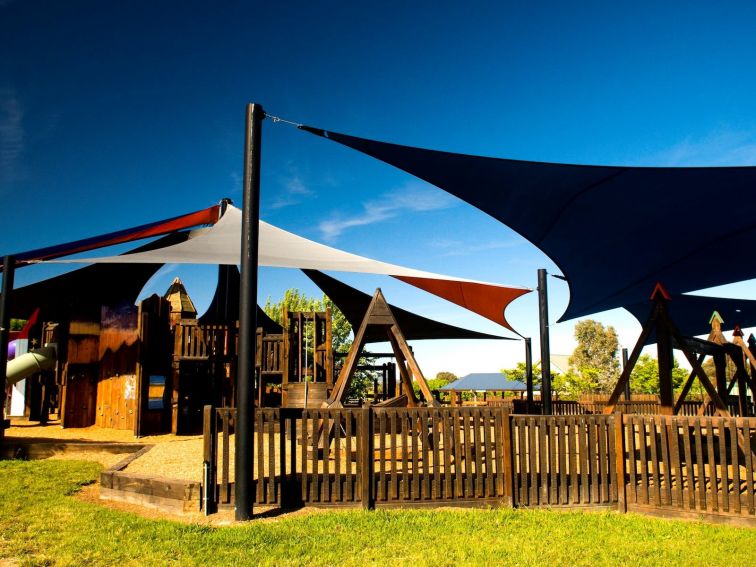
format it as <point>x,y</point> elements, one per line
<point>30,363</point>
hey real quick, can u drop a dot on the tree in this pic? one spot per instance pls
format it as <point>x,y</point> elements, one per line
<point>519,373</point>
<point>595,357</point>
<point>441,380</point>
<point>294,300</point>
<point>644,379</point>
<point>571,384</point>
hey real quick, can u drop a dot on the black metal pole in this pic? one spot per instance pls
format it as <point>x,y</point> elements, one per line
<point>9,268</point>
<point>543,315</point>
<point>529,373</point>
<point>245,390</point>
<point>224,275</point>
<point>624,365</point>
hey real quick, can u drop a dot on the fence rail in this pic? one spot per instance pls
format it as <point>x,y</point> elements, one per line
<point>374,457</point>
<point>639,407</point>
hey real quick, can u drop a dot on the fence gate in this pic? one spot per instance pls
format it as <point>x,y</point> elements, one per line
<point>564,461</point>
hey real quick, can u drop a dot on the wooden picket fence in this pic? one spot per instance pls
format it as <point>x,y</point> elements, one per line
<point>687,466</point>
<point>564,461</point>
<point>379,457</point>
<point>596,407</point>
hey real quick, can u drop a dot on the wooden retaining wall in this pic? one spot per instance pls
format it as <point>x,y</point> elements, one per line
<point>382,457</point>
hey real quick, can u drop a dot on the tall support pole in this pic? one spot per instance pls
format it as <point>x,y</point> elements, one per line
<point>665,356</point>
<point>543,315</point>
<point>624,365</point>
<point>9,267</point>
<point>245,395</point>
<point>529,373</point>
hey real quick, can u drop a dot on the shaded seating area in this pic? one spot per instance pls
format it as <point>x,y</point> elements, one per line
<point>486,388</point>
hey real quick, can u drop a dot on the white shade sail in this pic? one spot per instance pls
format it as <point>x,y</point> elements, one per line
<point>221,244</point>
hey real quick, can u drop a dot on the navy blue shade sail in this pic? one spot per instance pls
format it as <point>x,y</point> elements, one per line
<point>692,313</point>
<point>613,231</point>
<point>354,304</point>
<point>224,307</point>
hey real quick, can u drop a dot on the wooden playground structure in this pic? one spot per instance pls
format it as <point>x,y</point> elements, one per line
<point>675,458</point>
<point>152,368</point>
<point>158,368</point>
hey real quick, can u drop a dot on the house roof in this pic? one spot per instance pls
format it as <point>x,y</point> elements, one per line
<point>490,381</point>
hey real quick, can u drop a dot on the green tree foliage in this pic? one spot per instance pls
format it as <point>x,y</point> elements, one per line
<point>441,380</point>
<point>17,324</point>
<point>644,379</point>
<point>295,300</point>
<point>519,373</point>
<point>595,357</point>
<point>571,384</point>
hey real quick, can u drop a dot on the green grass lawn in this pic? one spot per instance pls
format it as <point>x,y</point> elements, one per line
<point>41,524</point>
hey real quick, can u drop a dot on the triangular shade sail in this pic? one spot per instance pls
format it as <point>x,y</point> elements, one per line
<point>221,244</point>
<point>158,228</point>
<point>224,307</point>
<point>354,304</point>
<point>613,231</point>
<point>82,293</point>
<point>692,313</point>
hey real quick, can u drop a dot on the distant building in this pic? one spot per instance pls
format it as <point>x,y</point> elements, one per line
<point>560,363</point>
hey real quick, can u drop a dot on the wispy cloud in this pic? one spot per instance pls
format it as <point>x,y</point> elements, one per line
<point>719,148</point>
<point>449,247</point>
<point>412,197</point>
<point>293,191</point>
<point>236,183</point>
<point>11,136</point>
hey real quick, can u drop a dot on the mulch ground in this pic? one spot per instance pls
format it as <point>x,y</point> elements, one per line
<point>171,456</point>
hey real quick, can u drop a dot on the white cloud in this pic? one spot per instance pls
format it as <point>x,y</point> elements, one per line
<point>236,183</point>
<point>11,136</point>
<point>294,191</point>
<point>449,247</point>
<point>413,196</point>
<point>719,148</point>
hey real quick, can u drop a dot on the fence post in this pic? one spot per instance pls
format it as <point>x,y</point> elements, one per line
<point>508,460</point>
<point>209,460</point>
<point>619,447</point>
<point>284,489</point>
<point>366,457</point>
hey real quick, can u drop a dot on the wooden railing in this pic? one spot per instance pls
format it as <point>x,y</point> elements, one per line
<point>373,457</point>
<point>270,353</point>
<point>200,342</point>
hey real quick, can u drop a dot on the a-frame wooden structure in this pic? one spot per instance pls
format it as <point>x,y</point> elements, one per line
<point>379,314</point>
<point>695,350</point>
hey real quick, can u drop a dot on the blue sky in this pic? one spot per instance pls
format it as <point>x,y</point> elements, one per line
<point>114,114</point>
